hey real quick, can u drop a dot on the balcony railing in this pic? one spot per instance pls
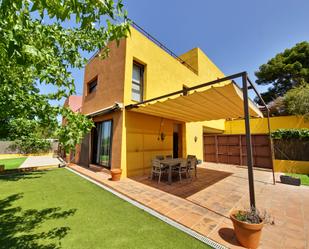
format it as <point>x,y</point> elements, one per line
<point>158,43</point>
<point>162,46</point>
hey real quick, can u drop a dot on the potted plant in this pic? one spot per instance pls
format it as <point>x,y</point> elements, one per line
<point>291,180</point>
<point>248,226</point>
<point>116,174</point>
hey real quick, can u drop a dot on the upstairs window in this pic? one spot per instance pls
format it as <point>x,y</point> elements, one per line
<point>137,82</point>
<point>92,86</point>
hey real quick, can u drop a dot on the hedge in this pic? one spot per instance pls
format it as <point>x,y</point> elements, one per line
<point>290,133</point>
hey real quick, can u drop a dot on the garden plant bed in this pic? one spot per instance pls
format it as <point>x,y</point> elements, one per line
<point>24,170</point>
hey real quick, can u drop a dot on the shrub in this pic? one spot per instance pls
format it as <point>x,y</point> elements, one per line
<point>290,133</point>
<point>31,144</point>
<point>254,216</point>
<point>297,101</point>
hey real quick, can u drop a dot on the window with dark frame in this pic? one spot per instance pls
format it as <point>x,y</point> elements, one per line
<point>92,86</point>
<point>102,143</point>
<point>137,82</point>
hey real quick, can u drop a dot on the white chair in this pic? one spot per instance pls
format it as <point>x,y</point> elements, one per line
<point>157,169</point>
<point>182,168</point>
<point>192,164</point>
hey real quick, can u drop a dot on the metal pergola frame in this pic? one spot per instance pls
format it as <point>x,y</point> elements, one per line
<point>246,85</point>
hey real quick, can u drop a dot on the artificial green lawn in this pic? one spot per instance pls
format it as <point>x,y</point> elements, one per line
<point>304,179</point>
<point>12,163</point>
<point>58,209</point>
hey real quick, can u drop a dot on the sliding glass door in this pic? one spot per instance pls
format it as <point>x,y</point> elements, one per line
<point>102,143</point>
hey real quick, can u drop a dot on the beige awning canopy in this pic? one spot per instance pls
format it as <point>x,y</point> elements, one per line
<point>210,101</point>
<point>216,102</point>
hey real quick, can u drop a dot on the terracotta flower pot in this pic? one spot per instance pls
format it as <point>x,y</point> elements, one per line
<point>247,234</point>
<point>116,174</point>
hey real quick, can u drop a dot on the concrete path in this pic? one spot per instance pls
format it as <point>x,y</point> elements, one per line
<point>40,161</point>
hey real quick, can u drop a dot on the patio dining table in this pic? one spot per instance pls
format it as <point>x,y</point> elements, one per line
<point>170,163</point>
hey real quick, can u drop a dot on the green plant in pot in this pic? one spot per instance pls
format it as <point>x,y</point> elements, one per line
<point>291,178</point>
<point>248,225</point>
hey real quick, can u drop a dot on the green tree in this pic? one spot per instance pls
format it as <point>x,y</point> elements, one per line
<point>286,70</point>
<point>40,42</point>
<point>297,101</point>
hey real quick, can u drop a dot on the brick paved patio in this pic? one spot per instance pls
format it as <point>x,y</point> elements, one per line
<point>203,203</point>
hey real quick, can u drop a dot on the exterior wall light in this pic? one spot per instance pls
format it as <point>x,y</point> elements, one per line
<point>162,136</point>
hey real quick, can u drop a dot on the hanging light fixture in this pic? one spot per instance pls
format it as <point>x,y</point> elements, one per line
<point>161,135</point>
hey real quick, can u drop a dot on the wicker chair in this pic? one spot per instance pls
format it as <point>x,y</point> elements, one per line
<point>157,169</point>
<point>192,164</point>
<point>181,169</point>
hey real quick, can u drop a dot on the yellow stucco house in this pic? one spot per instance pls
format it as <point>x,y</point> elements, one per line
<point>141,68</point>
